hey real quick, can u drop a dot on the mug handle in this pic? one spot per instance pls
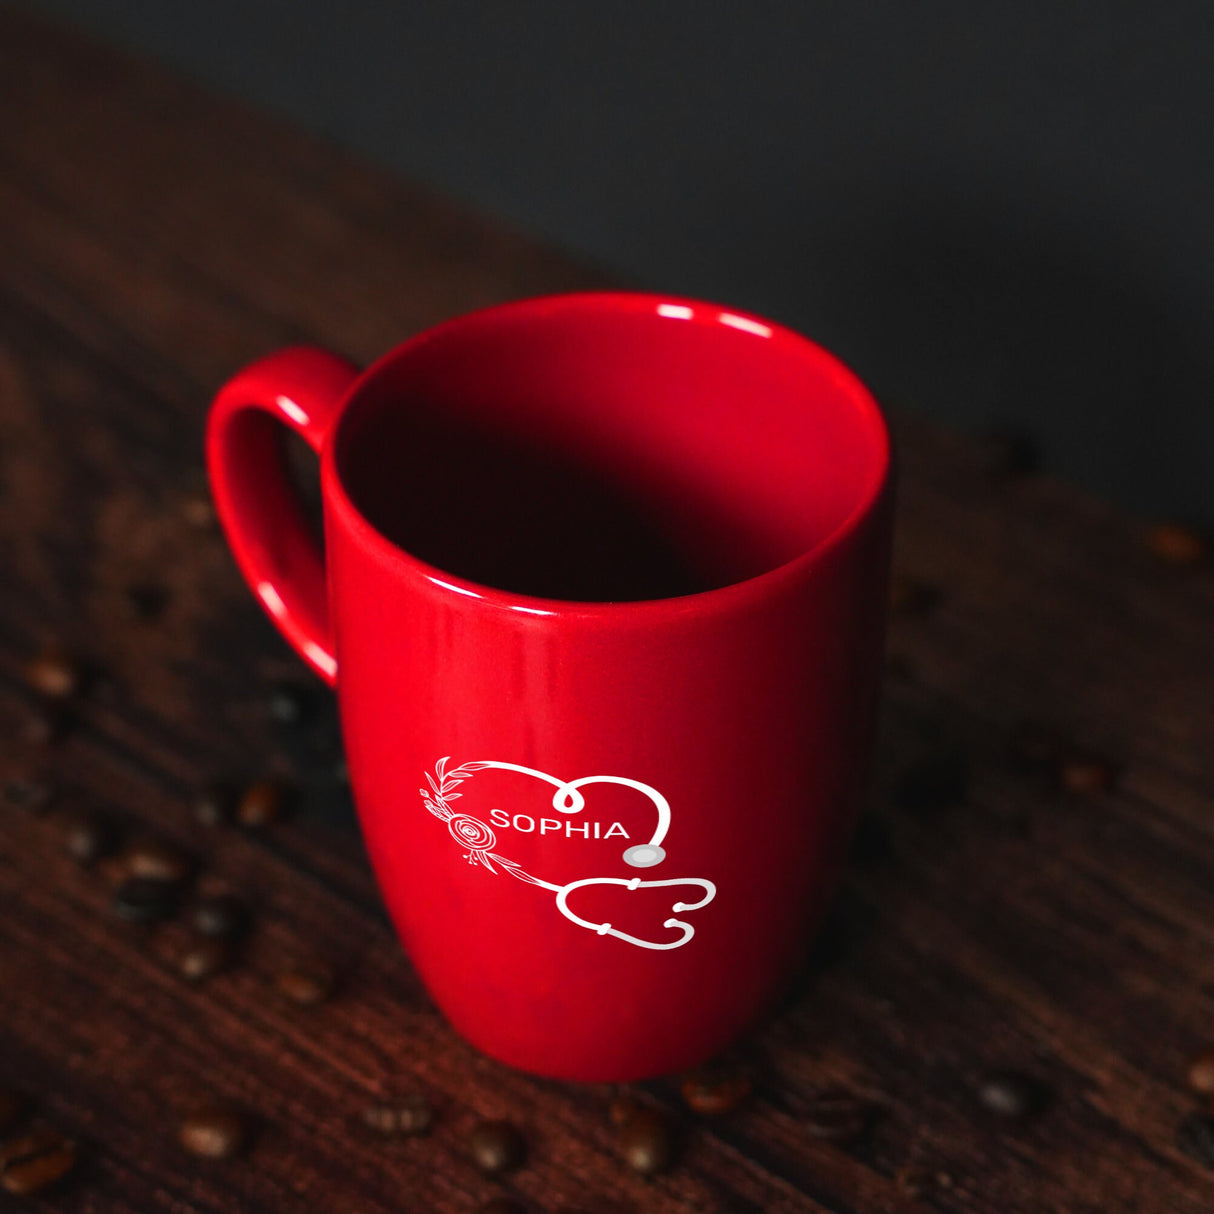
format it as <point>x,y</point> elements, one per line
<point>274,547</point>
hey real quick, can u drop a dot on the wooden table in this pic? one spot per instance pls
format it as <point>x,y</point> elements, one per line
<point>152,239</point>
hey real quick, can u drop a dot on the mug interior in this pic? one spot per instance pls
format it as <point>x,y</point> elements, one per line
<point>609,447</point>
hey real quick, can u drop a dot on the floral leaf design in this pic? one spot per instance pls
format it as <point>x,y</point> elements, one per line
<point>436,801</point>
<point>466,769</point>
<point>515,870</point>
<point>436,807</point>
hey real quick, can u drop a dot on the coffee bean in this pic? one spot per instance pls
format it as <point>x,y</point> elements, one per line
<point>933,783</point>
<point>198,511</point>
<point>412,1115</point>
<point>1036,747</point>
<point>35,1161</point>
<point>1178,543</point>
<point>148,600</point>
<point>144,900</point>
<point>203,959</point>
<point>216,1132</point>
<point>1195,1137</point>
<point>222,916</point>
<point>214,804</point>
<point>713,1091</point>
<point>45,724</point>
<point>496,1147</point>
<point>88,836</point>
<point>54,675</point>
<point>156,860</point>
<point>837,1116</point>
<point>623,1108</point>
<point>502,1205</point>
<point>920,1181</point>
<point>645,1142</point>
<point>911,596</point>
<point>305,983</point>
<point>1009,451</point>
<point>381,1118</point>
<point>1010,1094</point>
<point>289,703</point>
<point>1086,775</point>
<point>26,792</point>
<point>1201,1073</point>
<point>262,803</point>
<point>13,1107</point>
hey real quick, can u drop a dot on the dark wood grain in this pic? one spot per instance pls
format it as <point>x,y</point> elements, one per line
<point>152,239</point>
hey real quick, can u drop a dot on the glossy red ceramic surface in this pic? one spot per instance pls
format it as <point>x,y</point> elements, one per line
<point>605,830</point>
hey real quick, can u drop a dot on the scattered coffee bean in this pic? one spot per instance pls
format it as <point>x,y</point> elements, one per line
<point>1085,775</point>
<point>1036,747</point>
<point>414,1115</point>
<point>713,1091</point>
<point>1177,543</point>
<point>1195,1137</point>
<point>54,675</point>
<point>88,836</point>
<point>148,600</point>
<point>381,1118</point>
<point>26,792</point>
<point>502,1205</point>
<point>144,900</point>
<point>920,1181</point>
<point>44,724</point>
<point>837,1116</point>
<point>1201,1073</point>
<point>933,783</point>
<point>156,860</point>
<point>1010,1094</point>
<point>622,1110</point>
<point>262,803</point>
<point>222,916</point>
<point>411,1115</point>
<point>35,1161</point>
<point>306,984</point>
<point>289,703</point>
<point>198,511</point>
<point>203,959</point>
<point>911,596</point>
<point>13,1107</point>
<point>214,804</point>
<point>213,1133</point>
<point>1007,451</point>
<point>496,1147</point>
<point>645,1142</point>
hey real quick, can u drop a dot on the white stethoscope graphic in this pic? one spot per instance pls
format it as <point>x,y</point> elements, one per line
<point>568,799</point>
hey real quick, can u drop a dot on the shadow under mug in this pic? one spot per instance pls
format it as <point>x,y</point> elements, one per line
<point>603,599</point>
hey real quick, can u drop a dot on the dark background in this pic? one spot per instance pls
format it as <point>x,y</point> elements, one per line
<point>997,212</point>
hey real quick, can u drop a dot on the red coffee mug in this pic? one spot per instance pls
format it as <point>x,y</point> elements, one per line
<point>605,823</point>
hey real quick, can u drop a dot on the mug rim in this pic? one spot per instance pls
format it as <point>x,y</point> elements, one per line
<point>335,493</point>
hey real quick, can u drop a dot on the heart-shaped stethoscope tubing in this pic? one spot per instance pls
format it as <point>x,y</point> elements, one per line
<point>568,799</point>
